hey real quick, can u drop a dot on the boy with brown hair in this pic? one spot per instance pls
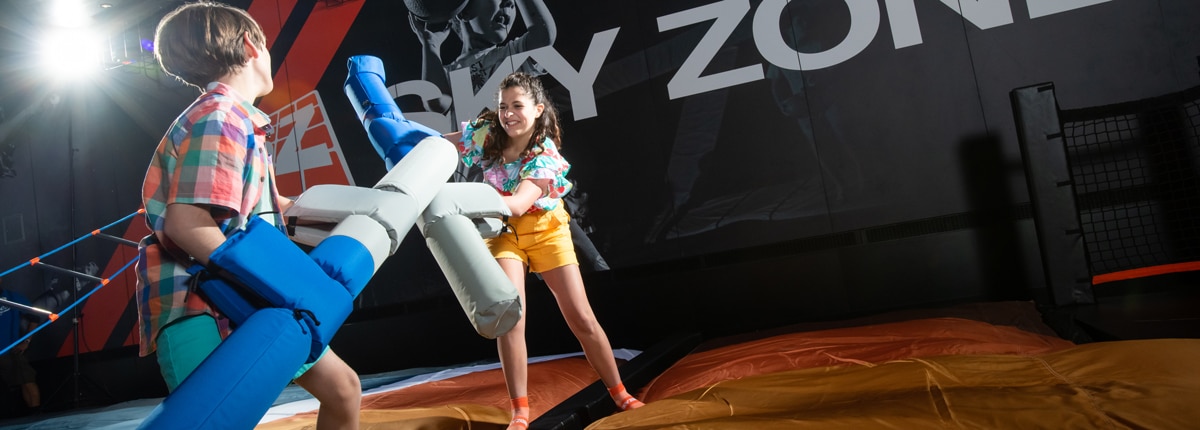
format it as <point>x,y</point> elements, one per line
<point>210,175</point>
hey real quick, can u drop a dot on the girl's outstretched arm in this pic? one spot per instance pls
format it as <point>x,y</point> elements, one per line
<point>528,191</point>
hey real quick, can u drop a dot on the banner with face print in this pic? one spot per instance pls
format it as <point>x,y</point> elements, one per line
<point>704,127</point>
<point>697,129</point>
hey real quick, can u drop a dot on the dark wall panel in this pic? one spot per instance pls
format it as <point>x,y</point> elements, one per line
<point>730,142</point>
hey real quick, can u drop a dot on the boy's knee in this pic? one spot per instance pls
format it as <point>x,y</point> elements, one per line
<point>352,385</point>
<point>346,384</point>
<point>349,394</point>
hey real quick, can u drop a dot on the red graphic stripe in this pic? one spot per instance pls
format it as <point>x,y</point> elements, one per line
<point>271,14</point>
<point>311,53</point>
<point>102,312</point>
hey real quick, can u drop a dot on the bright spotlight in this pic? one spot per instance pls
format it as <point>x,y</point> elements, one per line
<point>71,54</point>
<point>69,50</point>
<point>69,14</point>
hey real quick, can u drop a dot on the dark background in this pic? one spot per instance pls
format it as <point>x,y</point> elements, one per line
<point>890,180</point>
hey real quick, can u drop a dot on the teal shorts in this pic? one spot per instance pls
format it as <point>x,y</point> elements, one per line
<point>185,343</point>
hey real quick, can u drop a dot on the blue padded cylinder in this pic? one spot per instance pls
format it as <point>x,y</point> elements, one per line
<point>287,278</point>
<point>381,128</point>
<point>372,102</point>
<point>235,386</point>
<point>345,260</point>
<point>227,299</point>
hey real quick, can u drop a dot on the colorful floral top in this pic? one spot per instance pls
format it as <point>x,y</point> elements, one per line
<point>215,155</point>
<point>542,162</point>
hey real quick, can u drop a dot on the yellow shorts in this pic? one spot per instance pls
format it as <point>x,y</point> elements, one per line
<point>542,240</point>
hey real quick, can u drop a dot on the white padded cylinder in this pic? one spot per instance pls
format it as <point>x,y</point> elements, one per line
<point>470,199</point>
<point>369,233</point>
<point>487,296</point>
<point>423,171</point>
<point>309,235</point>
<point>327,203</point>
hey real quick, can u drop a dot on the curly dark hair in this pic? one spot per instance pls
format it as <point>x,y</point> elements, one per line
<point>545,127</point>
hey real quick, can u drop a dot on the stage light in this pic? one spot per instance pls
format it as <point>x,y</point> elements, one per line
<point>69,14</point>
<point>68,49</point>
<point>71,53</point>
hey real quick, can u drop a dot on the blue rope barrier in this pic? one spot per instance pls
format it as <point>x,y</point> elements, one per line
<point>103,282</point>
<point>68,244</point>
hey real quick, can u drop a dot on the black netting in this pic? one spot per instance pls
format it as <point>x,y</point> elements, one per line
<point>1135,170</point>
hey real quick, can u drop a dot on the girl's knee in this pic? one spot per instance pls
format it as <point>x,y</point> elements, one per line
<point>516,333</point>
<point>585,327</point>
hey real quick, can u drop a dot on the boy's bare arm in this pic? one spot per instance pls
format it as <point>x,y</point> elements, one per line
<point>284,203</point>
<point>193,229</point>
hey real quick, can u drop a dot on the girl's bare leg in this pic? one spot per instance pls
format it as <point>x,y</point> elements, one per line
<point>514,356</point>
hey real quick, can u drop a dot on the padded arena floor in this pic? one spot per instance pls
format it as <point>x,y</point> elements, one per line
<point>791,377</point>
<point>474,392</point>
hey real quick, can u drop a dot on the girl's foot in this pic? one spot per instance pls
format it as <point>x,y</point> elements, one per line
<point>520,408</point>
<point>518,423</point>
<point>624,400</point>
<point>629,403</point>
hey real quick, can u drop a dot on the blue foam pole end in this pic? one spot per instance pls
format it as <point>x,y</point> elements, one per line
<point>235,386</point>
<point>391,134</point>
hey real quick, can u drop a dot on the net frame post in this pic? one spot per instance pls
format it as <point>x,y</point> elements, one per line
<point>1052,195</point>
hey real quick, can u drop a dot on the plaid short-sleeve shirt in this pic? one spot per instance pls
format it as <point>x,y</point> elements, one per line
<point>214,155</point>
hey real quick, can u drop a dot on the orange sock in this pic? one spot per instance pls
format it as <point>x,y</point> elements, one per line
<point>520,408</point>
<point>624,400</point>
